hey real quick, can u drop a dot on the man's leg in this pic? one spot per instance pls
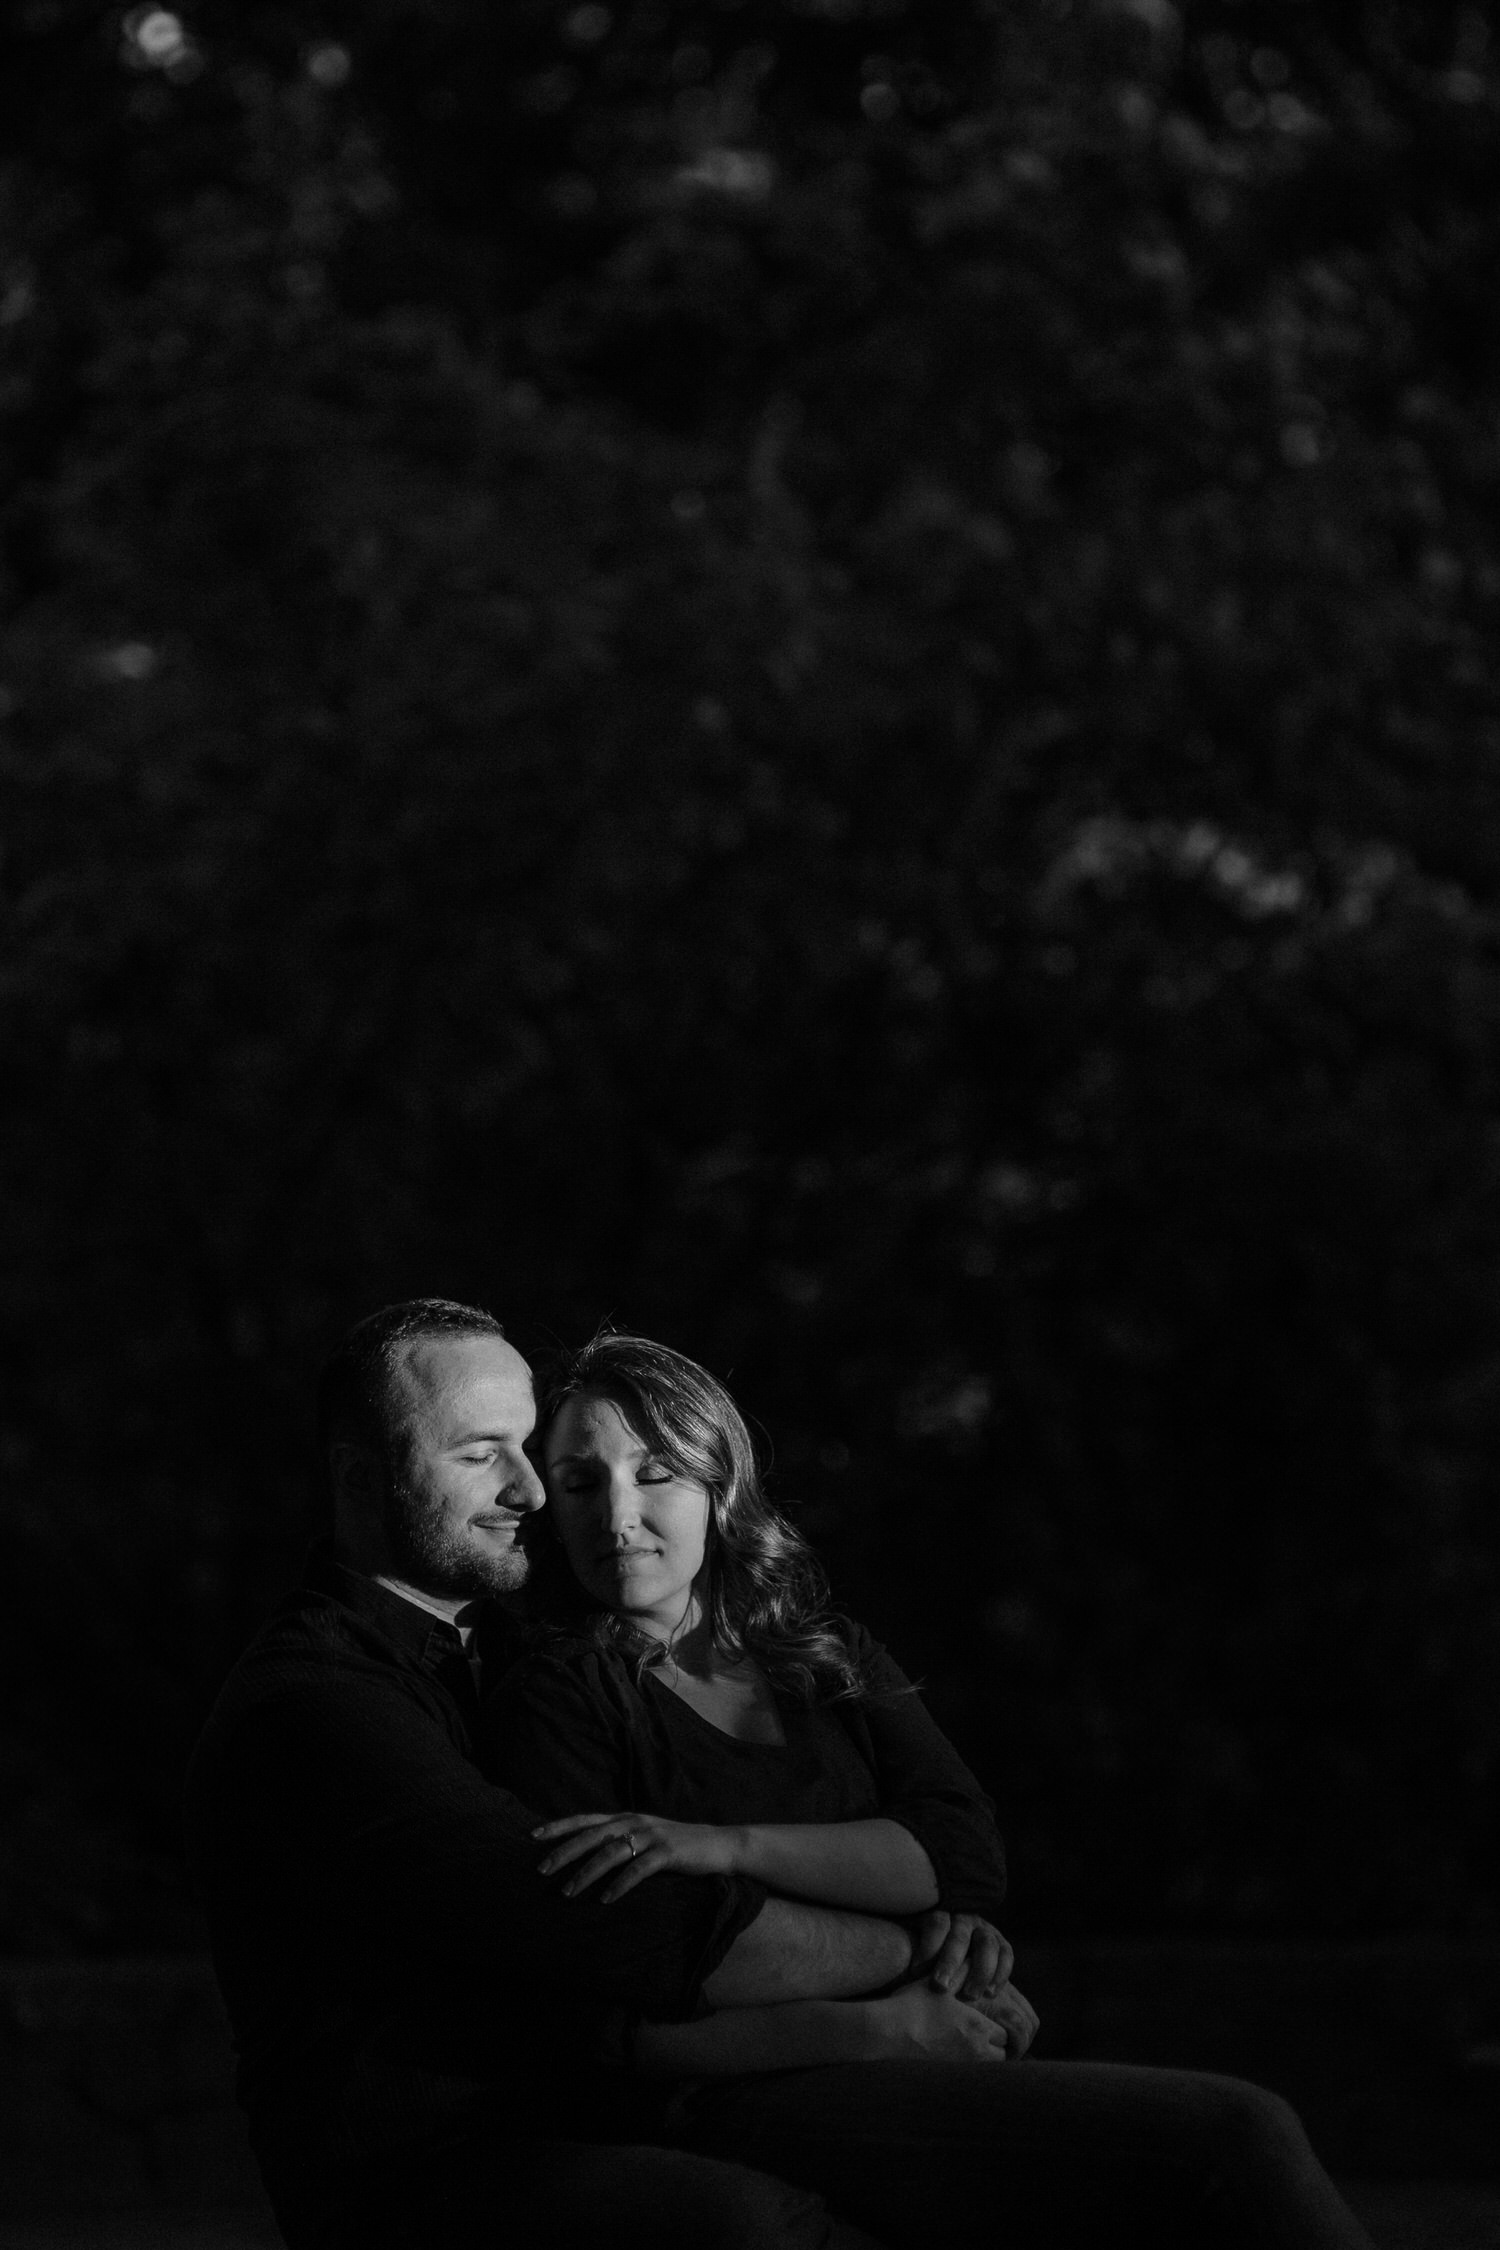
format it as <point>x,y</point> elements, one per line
<point>582,2195</point>
<point>1036,2156</point>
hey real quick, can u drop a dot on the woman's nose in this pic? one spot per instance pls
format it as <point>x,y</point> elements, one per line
<point>622,1505</point>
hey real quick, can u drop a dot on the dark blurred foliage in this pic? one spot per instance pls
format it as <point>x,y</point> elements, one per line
<point>821,677</point>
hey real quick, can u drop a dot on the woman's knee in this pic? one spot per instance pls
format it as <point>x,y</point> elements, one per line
<point>730,2207</point>
<point>1248,2128</point>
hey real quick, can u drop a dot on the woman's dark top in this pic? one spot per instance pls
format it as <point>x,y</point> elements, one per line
<point>570,1730</point>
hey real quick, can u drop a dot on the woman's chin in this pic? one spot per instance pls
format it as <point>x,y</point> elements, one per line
<point>646,1617</point>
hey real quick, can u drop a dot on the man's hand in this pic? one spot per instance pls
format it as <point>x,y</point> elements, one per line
<point>1015,2015</point>
<point>628,1847</point>
<point>919,2025</point>
<point>961,1953</point>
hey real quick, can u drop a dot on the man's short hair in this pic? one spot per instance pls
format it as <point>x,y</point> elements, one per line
<point>356,1387</point>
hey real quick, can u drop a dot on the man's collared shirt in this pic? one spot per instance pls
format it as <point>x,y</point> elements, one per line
<point>392,1963</point>
<point>465,1622</point>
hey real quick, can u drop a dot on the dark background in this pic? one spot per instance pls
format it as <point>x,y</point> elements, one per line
<point>820,677</point>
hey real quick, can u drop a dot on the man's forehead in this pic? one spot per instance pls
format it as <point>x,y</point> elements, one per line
<point>440,1372</point>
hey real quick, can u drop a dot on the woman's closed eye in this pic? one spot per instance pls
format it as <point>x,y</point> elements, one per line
<point>586,1481</point>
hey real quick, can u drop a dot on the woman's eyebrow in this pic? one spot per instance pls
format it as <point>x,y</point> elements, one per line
<point>636,1453</point>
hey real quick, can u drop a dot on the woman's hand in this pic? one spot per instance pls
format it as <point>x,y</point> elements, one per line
<point>917,2024</point>
<point>627,1847</point>
<point>962,1953</point>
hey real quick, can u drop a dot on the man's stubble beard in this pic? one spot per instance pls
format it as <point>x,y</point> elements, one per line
<point>429,1556</point>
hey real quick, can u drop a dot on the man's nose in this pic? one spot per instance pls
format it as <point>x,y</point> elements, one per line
<point>526,1489</point>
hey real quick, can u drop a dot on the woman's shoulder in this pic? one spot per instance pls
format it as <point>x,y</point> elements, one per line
<point>556,1661</point>
<point>881,1677</point>
<point>543,1643</point>
<point>859,1642</point>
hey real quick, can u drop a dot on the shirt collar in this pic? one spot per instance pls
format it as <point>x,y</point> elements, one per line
<point>462,1624</point>
<point>411,1625</point>
<point>419,1632</point>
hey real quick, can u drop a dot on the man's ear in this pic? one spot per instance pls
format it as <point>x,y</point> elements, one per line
<point>354,1474</point>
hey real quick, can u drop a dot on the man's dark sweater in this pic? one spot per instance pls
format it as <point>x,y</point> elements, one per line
<point>396,1972</point>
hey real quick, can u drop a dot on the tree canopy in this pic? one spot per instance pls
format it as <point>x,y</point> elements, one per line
<point>817,676</point>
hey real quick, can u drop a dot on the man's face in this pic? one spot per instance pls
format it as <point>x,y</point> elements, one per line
<point>462,1485</point>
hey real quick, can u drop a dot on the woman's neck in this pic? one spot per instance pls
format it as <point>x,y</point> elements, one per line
<point>692,1648</point>
<point>686,1636</point>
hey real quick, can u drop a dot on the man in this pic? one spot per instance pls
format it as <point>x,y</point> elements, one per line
<point>434,2043</point>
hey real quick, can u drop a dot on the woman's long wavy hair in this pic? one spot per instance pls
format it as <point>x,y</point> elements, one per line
<point>767,1597</point>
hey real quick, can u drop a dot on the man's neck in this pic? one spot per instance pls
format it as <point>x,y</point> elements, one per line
<point>441,1605</point>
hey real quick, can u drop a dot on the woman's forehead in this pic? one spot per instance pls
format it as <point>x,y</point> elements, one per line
<point>588,1423</point>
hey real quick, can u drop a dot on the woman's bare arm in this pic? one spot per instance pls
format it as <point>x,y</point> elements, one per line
<point>874,1866</point>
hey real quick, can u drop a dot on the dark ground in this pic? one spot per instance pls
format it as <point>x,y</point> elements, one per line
<point>1401,2215</point>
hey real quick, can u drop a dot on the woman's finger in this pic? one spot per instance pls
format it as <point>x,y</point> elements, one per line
<point>592,1870</point>
<point>644,1864</point>
<point>953,1953</point>
<point>983,1964</point>
<point>610,1856</point>
<point>573,1821</point>
<point>576,1847</point>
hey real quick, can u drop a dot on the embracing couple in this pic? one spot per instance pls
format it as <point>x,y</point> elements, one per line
<point>577,1876</point>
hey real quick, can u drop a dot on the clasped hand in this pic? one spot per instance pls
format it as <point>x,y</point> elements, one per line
<point>627,1847</point>
<point>966,1959</point>
<point>959,1999</point>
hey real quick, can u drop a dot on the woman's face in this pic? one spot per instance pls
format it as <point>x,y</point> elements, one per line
<point>634,1531</point>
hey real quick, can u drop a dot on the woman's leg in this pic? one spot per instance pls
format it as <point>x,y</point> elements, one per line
<point>1036,2156</point>
<point>497,2194</point>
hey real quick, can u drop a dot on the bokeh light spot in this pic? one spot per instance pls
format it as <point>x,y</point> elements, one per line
<point>329,65</point>
<point>730,171</point>
<point>155,38</point>
<point>128,660</point>
<point>587,26</point>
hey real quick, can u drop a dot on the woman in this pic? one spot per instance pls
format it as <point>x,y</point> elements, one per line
<point>694,1707</point>
<point>705,1706</point>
